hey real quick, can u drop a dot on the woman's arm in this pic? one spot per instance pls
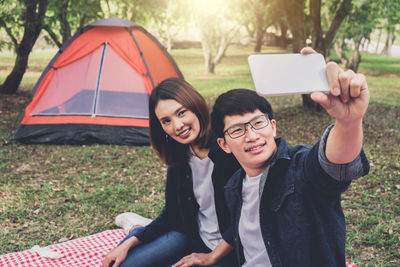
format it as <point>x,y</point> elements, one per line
<point>157,227</point>
<point>164,222</point>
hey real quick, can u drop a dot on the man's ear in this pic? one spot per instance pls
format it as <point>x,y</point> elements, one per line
<point>224,146</point>
<point>273,125</point>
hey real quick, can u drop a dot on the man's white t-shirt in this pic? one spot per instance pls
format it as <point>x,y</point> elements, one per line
<point>204,193</point>
<point>250,235</point>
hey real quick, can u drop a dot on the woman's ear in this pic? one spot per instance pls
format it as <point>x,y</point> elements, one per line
<point>224,146</point>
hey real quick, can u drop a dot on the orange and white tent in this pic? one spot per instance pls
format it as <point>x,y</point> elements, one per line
<point>96,88</point>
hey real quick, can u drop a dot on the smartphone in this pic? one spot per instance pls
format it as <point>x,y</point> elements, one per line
<point>284,74</point>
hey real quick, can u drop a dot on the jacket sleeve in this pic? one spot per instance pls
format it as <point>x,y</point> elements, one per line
<point>330,178</point>
<point>164,222</point>
<point>228,235</point>
<point>342,172</point>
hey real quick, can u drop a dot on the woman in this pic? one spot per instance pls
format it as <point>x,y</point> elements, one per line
<point>194,223</point>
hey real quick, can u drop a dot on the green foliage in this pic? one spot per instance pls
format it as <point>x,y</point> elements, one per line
<point>169,21</point>
<point>11,22</point>
<point>139,11</point>
<point>214,18</point>
<point>64,18</point>
<point>362,20</point>
<point>4,45</point>
<point>357,27</point>
<point>390,11</point>
<point>256,12</point>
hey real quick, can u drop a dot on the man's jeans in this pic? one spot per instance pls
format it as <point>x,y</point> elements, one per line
<point>167,250</point>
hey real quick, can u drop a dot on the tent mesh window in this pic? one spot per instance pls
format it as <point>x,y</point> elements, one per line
<point>119,88</point>
<point>92,86</point>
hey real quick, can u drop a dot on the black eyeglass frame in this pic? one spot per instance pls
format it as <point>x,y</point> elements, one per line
<point>245,124</point>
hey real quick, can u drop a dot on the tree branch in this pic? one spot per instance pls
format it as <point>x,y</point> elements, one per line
<point>9,33</point>
<point>52,35</point>
<point>225,42</point>
<point>341,13</point>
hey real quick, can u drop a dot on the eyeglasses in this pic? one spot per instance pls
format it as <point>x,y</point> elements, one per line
<point>239,130</point>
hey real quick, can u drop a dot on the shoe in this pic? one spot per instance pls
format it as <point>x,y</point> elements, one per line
<point>127,220</point>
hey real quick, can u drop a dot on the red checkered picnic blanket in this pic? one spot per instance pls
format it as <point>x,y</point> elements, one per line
<point>87,251</point>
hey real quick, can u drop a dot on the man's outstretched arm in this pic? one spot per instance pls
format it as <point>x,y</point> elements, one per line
<point>347,102</point>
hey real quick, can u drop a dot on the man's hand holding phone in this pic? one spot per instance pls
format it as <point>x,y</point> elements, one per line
<point>348,96</point>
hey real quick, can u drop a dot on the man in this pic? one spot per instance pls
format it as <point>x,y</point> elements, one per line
<point>285,201</point>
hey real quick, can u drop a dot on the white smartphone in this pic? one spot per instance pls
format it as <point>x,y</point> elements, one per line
<point>283,74</point>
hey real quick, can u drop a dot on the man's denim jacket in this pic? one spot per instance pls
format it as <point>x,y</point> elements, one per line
<point>301,217</point>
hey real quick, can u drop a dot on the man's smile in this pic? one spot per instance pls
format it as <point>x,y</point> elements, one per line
<point>255,147</point>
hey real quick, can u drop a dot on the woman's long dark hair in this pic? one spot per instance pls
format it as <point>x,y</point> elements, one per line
<point>171,152</point>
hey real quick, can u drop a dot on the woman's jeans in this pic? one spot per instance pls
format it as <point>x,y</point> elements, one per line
<point>168,249</point>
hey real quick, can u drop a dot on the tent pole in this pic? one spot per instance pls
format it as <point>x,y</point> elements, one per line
<point>96,93</point>
<point>141,54</point>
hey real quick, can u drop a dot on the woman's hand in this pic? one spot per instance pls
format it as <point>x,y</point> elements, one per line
<point>200,259</point>
<point>205,259</point>
<point>118,254</point>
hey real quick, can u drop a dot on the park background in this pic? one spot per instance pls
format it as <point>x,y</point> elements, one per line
<point>50,194</point>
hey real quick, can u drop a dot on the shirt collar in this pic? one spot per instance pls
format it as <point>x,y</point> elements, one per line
<point>282,152</point>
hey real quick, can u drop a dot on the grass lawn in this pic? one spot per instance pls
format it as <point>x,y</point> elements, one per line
<point>51,193</point>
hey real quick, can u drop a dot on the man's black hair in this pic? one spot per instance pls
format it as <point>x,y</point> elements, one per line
<point>237,102</point>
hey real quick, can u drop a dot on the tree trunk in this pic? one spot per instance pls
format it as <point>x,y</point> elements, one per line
<point>65,28</point>
<point>365,44</point>
<point>308,103</point>
<point>294,11</point>
<point>82,21</point>
<point>387,49</point>
<point>32,28</point>
<point>295,16</point>
<point>169,42</point>
<point>340,51</point>
<point>321,44</point>
<point>356,57</point>
<point>298,40</point>
<point>211,68</point>
<point>259,38</point>
<point>224,40</point>
<point>283,41</point>
<point>11,84</point>
<point>207,53</point>
<point>260,29</point>
<point>224,43</point>
<point>378,41</point>
<point>318,41</point>
<point>249,30</point>
<point>343,10</point>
